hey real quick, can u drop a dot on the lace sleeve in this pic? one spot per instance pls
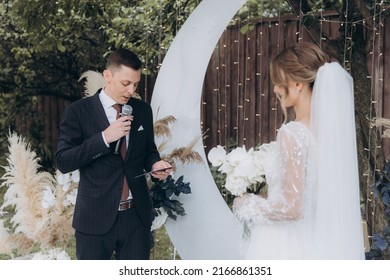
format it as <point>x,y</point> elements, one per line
<point>286,182</point>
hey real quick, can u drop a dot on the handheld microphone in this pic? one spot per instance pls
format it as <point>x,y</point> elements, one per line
<point>127,110</point>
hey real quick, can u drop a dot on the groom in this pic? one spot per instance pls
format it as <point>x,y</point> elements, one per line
<point>113,208</point>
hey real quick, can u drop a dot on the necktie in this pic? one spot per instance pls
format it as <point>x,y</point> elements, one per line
<point>125,189</point>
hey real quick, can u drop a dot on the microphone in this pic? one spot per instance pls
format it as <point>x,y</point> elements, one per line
<point>127,110</point>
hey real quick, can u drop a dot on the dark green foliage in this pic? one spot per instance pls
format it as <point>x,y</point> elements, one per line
<point>162,192</point>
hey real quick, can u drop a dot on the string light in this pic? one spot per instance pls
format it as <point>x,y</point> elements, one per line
<point>224,101</point>
<point>218,96</point>
<point>278,50</point>
<point>241,82</point>
<point>238,79</point>
<point>260,87</point>
<point>373,97</point>
<point>346,35</point>
<point>300,22</point>
<point>245,81</point>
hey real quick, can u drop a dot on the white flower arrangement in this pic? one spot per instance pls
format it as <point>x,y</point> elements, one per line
<point>244,169</point>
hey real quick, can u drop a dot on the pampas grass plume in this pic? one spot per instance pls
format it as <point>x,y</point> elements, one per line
<point>31,222</point>
<point>25,187</point>
<point>93,82</point>
<point>161,126</point>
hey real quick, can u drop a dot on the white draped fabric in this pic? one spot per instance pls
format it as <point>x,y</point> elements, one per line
<point>337,230</point>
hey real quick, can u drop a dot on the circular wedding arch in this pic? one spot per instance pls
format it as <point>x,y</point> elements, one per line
<point>209,230</point>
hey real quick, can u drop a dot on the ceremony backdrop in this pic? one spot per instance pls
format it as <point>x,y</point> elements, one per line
<point>238,101</point>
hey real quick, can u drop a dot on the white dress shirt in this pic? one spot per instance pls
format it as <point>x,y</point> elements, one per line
<point>110,111</point>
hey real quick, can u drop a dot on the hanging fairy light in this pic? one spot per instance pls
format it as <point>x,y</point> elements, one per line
<point>246,101</point>
<point>300,25</point>
<point>260,76</point>
<point>218,93</point>
<point>322,38</point>
<point>224,101</point>
<point>279,31</point>
<point>238,87</point>
<point>372,129</point>
<point>160,32</point>
<point>347,39</point>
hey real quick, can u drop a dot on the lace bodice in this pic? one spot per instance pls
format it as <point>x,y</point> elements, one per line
<point>286,175</point>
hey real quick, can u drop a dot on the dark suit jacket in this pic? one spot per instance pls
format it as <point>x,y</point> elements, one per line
<point>81,146</point>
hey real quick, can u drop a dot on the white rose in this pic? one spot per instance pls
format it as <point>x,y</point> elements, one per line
<point>217,155</point>
<point>238,156</point>
<point>226,168</point>
<point>236,185</point>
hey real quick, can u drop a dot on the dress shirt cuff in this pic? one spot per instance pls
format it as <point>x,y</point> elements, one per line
<point>104,139</point>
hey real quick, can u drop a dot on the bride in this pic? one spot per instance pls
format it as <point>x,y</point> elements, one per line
<point>312,209</point>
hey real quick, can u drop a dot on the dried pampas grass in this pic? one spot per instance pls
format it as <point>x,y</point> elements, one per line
<point>25,187</point>
<point>5,247</point>
<point>60,216</point>
<point>183,154</point>
<point>187,154</point>
<point>30,222</point>
<point>161,126</point>
<point>93,82</point>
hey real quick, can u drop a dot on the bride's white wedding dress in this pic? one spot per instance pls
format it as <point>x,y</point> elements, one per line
<point>278,224</point>
<point>313,206</point>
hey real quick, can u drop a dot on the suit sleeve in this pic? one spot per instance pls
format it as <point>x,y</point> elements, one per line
<point>74,149</point>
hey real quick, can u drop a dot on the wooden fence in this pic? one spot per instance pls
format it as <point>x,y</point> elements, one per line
<point>238,103</point>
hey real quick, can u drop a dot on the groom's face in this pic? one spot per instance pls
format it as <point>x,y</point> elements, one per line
<point>121,83</point>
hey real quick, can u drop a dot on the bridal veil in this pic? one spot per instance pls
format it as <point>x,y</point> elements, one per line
<point>336,232</point>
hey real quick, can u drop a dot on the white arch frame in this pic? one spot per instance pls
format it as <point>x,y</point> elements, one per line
<point>209,230</point>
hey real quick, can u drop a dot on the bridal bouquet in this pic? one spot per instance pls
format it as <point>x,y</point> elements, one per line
<point>244,169</point>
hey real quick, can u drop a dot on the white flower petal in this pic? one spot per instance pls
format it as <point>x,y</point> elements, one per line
<point>236,185</point>
<point>160,220</point>
<point>238,156</point>
<point>217,156</point>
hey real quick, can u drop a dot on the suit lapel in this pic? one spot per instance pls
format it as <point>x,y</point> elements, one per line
<point>97,112</point>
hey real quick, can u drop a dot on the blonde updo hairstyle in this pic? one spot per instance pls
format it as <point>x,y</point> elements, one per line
<point>298,63</point>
